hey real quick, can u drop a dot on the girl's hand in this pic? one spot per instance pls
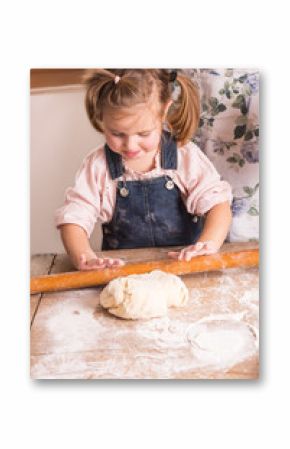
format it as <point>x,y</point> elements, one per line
<point>198,249</point>
<point>93,262</point>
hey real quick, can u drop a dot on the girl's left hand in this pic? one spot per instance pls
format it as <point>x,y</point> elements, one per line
<point>198,249</point>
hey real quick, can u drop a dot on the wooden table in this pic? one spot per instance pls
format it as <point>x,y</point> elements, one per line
<point>214,337</point>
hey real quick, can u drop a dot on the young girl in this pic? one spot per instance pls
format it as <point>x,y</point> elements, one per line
<point>149,185</point>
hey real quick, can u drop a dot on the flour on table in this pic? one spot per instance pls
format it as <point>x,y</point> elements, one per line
<point>222,341</point>
<point>144,295</point>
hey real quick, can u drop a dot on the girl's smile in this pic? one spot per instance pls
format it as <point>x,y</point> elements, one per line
<point>131,154</point>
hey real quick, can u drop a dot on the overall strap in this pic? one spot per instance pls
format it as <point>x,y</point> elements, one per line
<point>114,161</point>
<point>168,151</point>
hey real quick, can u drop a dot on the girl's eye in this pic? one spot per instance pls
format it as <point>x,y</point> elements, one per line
<point>117,135</point>
<point>144,134</point>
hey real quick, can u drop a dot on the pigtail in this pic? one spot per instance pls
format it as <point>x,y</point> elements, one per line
<point>95,82</point>
<point>183,115</point>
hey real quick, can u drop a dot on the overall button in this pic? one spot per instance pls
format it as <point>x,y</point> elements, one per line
<point>124,192</point>
<point>195,219</point>
<point>169,184</point>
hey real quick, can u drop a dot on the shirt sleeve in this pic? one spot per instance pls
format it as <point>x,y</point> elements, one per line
<point>82,201</point>
<point>204,187</point>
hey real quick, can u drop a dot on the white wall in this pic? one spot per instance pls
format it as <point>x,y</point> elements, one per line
<point>61,136</point>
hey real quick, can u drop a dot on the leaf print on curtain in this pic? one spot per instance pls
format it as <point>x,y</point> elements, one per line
<point>228,134</point>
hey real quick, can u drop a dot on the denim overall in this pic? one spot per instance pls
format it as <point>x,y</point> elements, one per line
<point>150,212</point>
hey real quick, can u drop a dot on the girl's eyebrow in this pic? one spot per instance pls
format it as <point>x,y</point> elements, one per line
<point>115,131</point>
<point>139,132</point>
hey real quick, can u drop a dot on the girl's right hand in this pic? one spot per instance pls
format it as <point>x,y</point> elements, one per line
<point>93,262</point>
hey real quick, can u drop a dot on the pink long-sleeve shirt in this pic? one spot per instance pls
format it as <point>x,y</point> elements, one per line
<point>93,196</point>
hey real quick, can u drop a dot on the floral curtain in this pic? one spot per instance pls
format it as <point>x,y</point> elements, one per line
<point>228,134</point>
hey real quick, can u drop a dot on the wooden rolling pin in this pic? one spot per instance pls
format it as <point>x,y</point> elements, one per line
<point>81,279</point>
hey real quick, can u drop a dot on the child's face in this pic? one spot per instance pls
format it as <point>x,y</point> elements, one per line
<point>134,132</point>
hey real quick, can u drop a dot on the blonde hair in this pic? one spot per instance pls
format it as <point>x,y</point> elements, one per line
<point>124,88</point>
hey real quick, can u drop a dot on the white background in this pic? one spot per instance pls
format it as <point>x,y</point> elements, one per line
<point>203,414</point>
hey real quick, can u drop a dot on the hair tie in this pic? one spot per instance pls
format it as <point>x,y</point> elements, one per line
<point>117,79</point>
<point>172,76</point>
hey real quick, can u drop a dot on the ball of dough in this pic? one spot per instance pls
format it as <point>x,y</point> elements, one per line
<point>144,295</point>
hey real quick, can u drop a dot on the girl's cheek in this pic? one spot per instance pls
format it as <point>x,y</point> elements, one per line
<point>152,142</point>
<point>114,143</point>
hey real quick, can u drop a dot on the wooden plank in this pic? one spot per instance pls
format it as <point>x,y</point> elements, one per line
<point>39,265</point>
<point>74,338</point>
<point>91,366</point>
<point>62,264</point>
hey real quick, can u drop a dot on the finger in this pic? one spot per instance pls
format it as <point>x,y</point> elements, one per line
<point>96,263</point>
<point>118,262</point>
<point>112,262</point>
<point>189,255</point>
<point>184,251</point>
<point>87,267</point>
<point>178,255</point>
<point>192,251</point>
<point>181,254</point>
<point>199,246</point>
<point>108,262</point>
<point>202,252</point>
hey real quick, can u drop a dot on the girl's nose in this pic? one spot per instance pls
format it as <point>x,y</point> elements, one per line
<point>130,143</point>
